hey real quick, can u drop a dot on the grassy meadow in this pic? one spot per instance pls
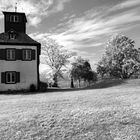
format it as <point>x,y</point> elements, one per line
<point>106,111</point>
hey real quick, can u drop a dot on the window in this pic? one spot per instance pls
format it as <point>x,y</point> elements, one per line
<point>10,54</point>
<point>14,18</point>
<point>13,54</point>
<point>11,18</point>
<point>27,54</point>
<point>10,77</point>
<point>12,36</point>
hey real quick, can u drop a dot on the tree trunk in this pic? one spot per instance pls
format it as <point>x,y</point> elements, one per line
<point>86,83</point>
<point>55,84</point>
<point>79,83</point>
<point>89,83</point>
<point>72,84</point>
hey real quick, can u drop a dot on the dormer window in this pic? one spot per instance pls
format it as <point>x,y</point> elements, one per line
<point>12,36</point>
<point>14,18</point>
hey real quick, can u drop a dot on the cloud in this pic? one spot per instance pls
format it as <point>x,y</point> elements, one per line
<point>22,6</point>
<point>39,36</point>
<point>34,21</point>
<point>123,19</point>
<point>28,7</point>
<point>126,4</point>
<point>91,30</point>
<point>34,9</point>
<point>59,6</point>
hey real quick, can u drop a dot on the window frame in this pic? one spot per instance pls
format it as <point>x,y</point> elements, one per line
<point>12,36</point>
<point>25,54</point>
<point>12,73</point>
<point>14,18</point>
<point>11,50</point>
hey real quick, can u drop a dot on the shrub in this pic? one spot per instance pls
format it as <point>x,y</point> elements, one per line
<point>55,84</point>
<point>32,88</point>
<point>43,86</point>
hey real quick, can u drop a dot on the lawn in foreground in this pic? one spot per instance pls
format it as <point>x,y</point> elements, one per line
<point>95,114</point>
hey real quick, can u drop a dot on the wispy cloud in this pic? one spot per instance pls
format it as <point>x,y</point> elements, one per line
<point>34,21</point>
<point>34,9</point>
<point>59,6</point>
<point>126,4</point>
<point>93,28</point>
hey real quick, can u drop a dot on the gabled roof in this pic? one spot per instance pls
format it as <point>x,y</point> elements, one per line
<point>21,39</point>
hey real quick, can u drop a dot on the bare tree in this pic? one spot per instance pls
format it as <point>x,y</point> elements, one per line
<point>55,56</point>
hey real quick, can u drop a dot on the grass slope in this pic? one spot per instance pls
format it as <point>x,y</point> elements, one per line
<point>111,113</point>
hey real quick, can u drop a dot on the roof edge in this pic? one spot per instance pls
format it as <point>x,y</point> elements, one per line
<point>17,13</point>
<point>5,12</point>
<point>27,44</point>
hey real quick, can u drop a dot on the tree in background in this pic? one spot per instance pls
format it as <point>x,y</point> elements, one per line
<point>102,66</point>
<point>76,71</point>
<point>47,76</point>
<point>121,59</point>
<point>90,77</point>
<point>81,70</point>
<point>55,56</point>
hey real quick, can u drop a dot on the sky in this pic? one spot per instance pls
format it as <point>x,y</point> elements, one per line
<point>81,26</point>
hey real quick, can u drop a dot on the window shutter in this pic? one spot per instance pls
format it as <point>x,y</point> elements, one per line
<point>3,77</point>
<point>18,54</point>
<point>2,54</point>
<point>17,77</point>
<point>33,54</point>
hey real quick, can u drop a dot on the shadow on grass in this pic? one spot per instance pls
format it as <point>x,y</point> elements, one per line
<point>98,85</point>
<point>108,83</point>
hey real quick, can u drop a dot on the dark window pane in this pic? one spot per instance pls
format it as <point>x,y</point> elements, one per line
<point>8,77</point>
<point>13,77</point>
<point>11,18</point>
<point>10,53</point>
<point>26,54</point>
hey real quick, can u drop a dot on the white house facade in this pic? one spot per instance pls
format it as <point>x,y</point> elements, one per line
<point>19,55</point>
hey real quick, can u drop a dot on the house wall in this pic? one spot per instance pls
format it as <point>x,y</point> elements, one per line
<point>27,69</point>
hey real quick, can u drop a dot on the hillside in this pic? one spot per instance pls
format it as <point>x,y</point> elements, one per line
<point>111,112</point>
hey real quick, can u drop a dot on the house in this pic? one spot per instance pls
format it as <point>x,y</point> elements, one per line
<point>19,55</point>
